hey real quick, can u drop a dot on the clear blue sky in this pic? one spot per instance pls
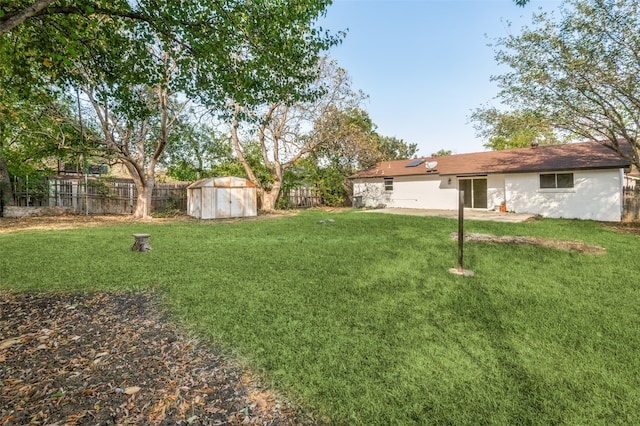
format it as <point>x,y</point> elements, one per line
<point>426,64</point>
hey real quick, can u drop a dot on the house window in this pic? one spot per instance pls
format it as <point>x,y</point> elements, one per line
<point>388,184</point>
<point>556,180</point>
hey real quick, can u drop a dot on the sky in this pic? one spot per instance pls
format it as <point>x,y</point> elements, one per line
<point>426,64</point>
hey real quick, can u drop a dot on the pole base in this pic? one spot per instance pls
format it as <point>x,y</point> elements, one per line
<point>464,272</point>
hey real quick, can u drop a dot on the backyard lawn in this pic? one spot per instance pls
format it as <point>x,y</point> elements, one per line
<point>358,319</point>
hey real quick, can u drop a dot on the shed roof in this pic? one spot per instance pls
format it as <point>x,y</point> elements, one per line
<point>222,182</point>
<point>574,156</point>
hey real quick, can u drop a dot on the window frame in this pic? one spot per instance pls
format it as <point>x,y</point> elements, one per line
<point>566,185</point>
<point>388,184</point>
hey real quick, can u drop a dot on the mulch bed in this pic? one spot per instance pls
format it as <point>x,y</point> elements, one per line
<point>115,359</point>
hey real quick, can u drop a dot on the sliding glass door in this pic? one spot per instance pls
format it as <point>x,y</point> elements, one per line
<point>475,192</point>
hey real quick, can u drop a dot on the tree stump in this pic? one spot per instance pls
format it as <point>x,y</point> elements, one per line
<point>141,243</point>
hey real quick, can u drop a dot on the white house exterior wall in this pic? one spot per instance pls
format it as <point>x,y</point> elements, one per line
<point>409,192</point>
<point>596,195</point>
<point>495,191</point>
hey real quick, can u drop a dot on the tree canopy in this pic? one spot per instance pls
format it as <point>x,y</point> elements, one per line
<point>580,72</point>
<point>257,51</point>
<point>513,129</point>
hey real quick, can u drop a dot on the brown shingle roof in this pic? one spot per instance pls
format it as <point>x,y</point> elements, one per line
<point>574,156</point>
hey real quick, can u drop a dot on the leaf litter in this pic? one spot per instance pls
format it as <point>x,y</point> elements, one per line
<point>115,359</point>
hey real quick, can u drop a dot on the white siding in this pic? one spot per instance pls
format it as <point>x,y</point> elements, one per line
<point>596,195</point>
<point>495,191</point>
<point>409,192</point>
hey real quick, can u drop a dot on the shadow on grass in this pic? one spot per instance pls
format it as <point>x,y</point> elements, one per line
<point>480,311</point>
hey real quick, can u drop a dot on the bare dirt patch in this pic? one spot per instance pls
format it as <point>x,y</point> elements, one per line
<point>577,246</point>
<point>627,227</point>
<point>9,224</point>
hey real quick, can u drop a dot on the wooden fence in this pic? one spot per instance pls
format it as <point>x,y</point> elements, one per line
<point>96,196</point>
<point>304,197</point>
<point>631,209</point>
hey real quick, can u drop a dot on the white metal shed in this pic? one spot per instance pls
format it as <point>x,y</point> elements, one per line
<point>222,197</point>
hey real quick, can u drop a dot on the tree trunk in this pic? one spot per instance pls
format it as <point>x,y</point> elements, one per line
<point>143,202</point>
<point>6,194</point>
<point>269,198</point>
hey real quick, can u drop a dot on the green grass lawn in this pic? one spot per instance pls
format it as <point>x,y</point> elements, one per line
<point>360,320</point>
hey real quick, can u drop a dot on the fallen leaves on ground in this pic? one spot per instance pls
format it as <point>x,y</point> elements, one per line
<point>114,359</point>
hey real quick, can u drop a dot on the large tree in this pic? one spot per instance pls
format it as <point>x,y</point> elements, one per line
<point>348,142</point>
<point>284,128</point>
<point>580,71</point>
<point>136,131</point>
<point>253,52</point>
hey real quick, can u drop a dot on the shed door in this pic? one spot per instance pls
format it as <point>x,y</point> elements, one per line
<point>223,202</point>
<point>236,203</point>
<point>475,192</point>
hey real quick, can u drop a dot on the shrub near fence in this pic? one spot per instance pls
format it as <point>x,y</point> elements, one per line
<point>97,196</point>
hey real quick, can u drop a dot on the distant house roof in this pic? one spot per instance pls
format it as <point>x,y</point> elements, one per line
<point>574,156</point>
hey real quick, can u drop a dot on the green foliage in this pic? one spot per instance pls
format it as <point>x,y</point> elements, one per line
<point>229,169</point>
<point>347,139</point>
<point>37,129</point>
<point>392,148</point>
<point>359,319</point>
<point>196,150</point>
<point>31,187</point>
<point>185,171</point>
<point>331,185</point>
<point>518,129</point>
<point>278,42</point>
<point>102,186</point>
<point>349,143</point>
<point>139,62</point>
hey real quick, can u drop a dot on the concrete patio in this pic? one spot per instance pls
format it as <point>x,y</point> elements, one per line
<point>469,214</point>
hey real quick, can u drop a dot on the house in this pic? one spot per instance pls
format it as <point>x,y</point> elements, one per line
<point>579,180</point>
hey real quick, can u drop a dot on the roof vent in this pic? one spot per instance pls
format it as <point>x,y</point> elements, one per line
<point>534,144</point>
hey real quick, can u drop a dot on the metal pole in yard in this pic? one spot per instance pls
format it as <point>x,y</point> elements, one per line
<point>460,269</point>
<point>460,231</point>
